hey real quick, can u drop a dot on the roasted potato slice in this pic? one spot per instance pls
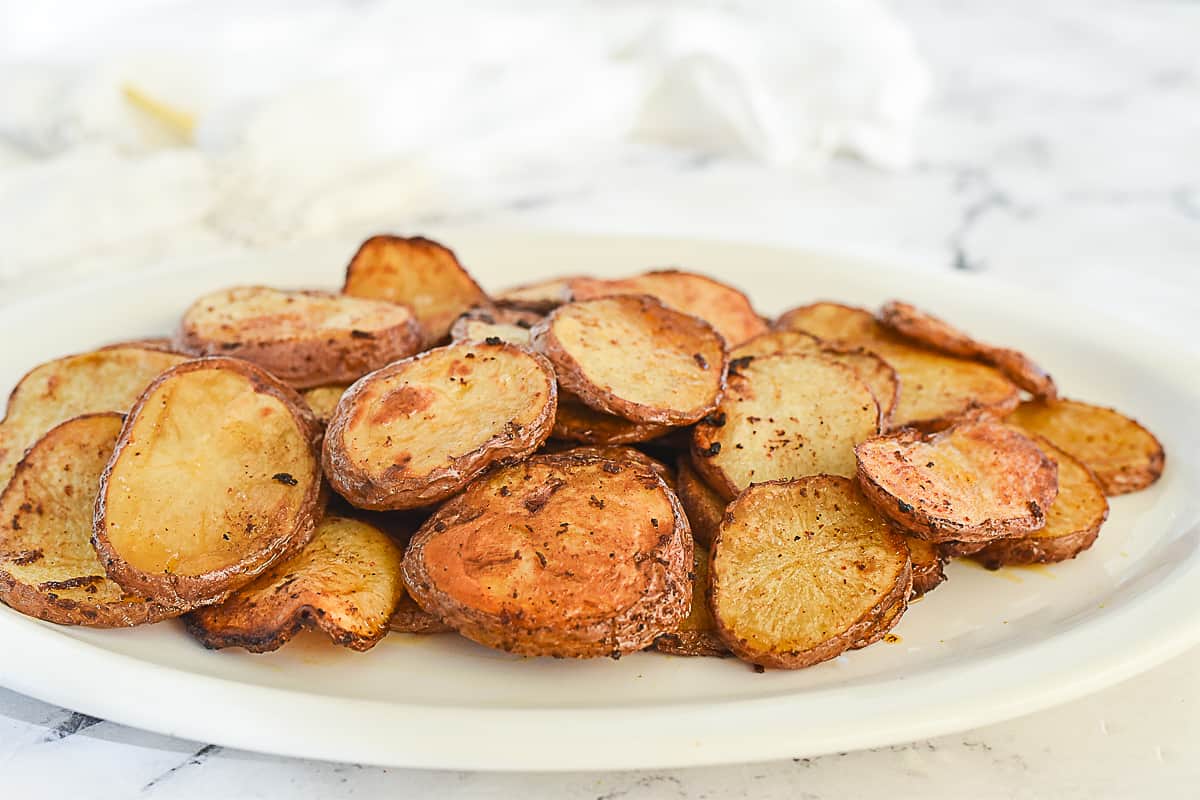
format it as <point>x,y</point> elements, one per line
<point>419,273</point>
<point>214,478</point>
<point>48,568</point>
<point>575,422</point>
<point>805,569</point>
<point>631,356</point>
<point>561,555</point>
<point>304,338</point>
<point>345,582</point>
<point>974,482</point>
<point>1072,522</point>
<point>103,380</point>
<point>705,508</point>
<point>417,431</point>
<point>322,400</point>
<point>784,416</point>
<point>935,389</point>
<point>542,296</point>
<point>1124,455</point>
<point>697,634</point>
<point>927,565</point>
<point>876,373</point>
<point>411,618</point>
<point>163,344</point>
<point>921,326</point>
<point>722,306</point>
<point>615,452</point>
<point>494,325</point>
<point>950,550</point>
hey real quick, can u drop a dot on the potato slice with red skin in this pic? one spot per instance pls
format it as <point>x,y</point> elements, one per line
<point>805,569</point>
<point>923,327</point>
<point>784,416</point>
<point>214,478</point>
<point>48,568</point>
<point>345,582</point>
<point>722,306</point>
<point>615,452</point>
<point>705,508</point>
<point>304,338</point>
<point>1072,522</point>
<point>927,563</point>
<point>697,634</point>
<point>419,273</point>
<point>417,431</point>
<point>541,296</point>
<point>631,356</point>
<point>1124,456</point>
<point>109,379</point>
<point>163,344</point>
<point>494,325</point>
<point>974,482</point>
<point>411,618</point>
<point>560,555</point>
<point>575,422</point>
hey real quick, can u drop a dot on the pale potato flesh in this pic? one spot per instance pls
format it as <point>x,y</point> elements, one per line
<point>262,314</point>
<point>322,400</point>
<point>495,324</point>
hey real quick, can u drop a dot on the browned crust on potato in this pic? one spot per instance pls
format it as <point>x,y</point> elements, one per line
<point>803,570</point>
<point>304,338</point>
<point>925,328</point>
<point>419,273</point>
<point>540,296</point>
<point>575,422</point>
<point>48,568</point>
<point>162,344</point>
<point>417,431</point>
<point>494,325</point>
<point>705,508</point>
<point>411,618</point>
<point>631,356</point>
<point>1122,453</point>
<point>725,308</point>
<point>884,623</point>
<point>784,416</point>
<point>927,563</point>
<point>561,555</point>
<point>697,633</point>
<point>950,550</point>
<point>615,452</point>
<point>285,518</point>
<point>1073,521</point>
<point>323,400</point>
<point>345,582</point>
<point>976,481</point>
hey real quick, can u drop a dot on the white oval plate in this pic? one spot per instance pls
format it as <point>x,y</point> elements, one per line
<point>983,647</point>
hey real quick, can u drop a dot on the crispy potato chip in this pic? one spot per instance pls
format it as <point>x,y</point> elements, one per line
<point>805,569</point>
<point>976,481</point>
<point>213,479</point>
<point>705,508</point>
<point>697,634</point>
<point>575,422</point>
<point>306,338</point>
<point>417,431</point>
<point>421,274</point>
<point>722,306</point>
<point>345,582</point>
<point>322,400</point>
<point>48,568</point>
<point>1072,522</point>
<point>1124,455</point>
<point>631,356</point>
<point>922,327</point>
<point>542,296</point>
<point>411,618</point>
<point>495,325</point>
<point>927,563</point>
<point>561,555</point>
<point>784,416</point>
<point>104,380</point>
<point>833,322</point>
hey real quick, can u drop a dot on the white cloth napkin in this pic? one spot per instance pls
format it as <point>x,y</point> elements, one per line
<point>264,120</point>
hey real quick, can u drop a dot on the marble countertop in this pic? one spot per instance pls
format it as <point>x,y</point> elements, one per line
<point>1060,149</point>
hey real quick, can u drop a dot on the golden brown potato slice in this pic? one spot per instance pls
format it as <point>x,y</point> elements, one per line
<point>495,325</point>
<point>935,389</point>
<point>542,296</point>
<point>213,479</point>
<point>876,373</point>
<point>345,582</point>
<point>722,306</point>
<point>805,569</point>
<point>322,400</point>
<point>705,508</point>
<point>615,452</point>
<point>631,356</point>
<point>417,431</point>
<point>104,380</point>
<point>697,634</point>
<point>48,568</point>
<point>561,555</point>
<point>1072,522</point>
<point>411,618</point>
<point>305,338</point>
<point>419,273</point>
<point>974,482</point>
<point>163,344</point>
<point>784,416</point>
<point>927,563</point>
<point>923,327</point>
<point>1124,455</point>
<point>575,422</point>
<point>950,550</point>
